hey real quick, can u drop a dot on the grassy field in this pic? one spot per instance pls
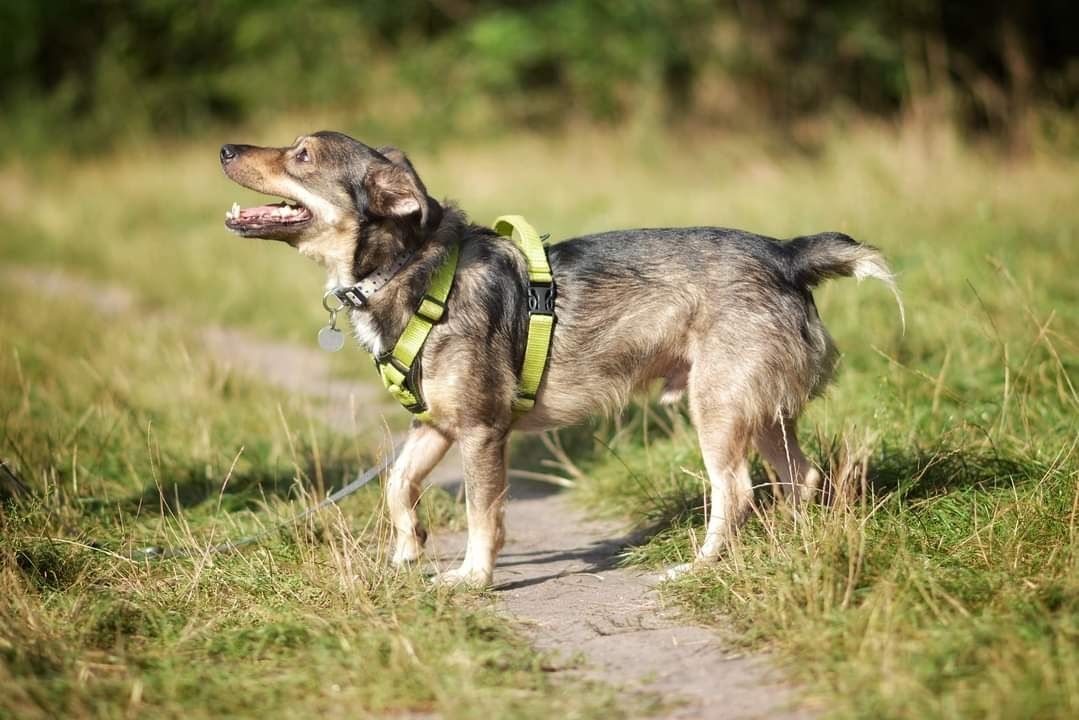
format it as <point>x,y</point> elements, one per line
<point>128,436</point>
<point>942,579</point>
<point>940,582</point>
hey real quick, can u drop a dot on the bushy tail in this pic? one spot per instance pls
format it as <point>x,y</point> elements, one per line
<point>815,258</point>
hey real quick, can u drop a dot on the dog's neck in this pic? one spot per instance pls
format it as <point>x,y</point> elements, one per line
<point>379,323</point>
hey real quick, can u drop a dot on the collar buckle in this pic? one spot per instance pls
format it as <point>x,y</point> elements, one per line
<point>351,296</point>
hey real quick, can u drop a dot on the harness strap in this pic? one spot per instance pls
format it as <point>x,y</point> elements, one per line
<point>541,318</point>
<point>396,368</point>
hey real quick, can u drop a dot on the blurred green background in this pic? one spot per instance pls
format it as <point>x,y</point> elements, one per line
<point>86,74</point>
<point>945,133</point>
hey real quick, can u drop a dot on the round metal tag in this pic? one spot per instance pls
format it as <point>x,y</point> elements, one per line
<point>331,339</point>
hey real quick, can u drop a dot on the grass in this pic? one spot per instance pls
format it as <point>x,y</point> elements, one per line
<point>939,582</point>
<point>941,579</point>
<point>127,434</point>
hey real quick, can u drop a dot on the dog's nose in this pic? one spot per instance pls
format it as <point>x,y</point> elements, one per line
<point>228,153</point>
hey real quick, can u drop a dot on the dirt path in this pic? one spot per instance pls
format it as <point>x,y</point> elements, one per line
<point>290,367</point>
<point>557,576</point>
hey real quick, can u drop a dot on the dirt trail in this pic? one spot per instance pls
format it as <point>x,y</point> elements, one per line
<point>290,367</point>
<point>557,576</point>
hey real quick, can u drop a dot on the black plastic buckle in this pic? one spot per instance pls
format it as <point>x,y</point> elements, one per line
<point>409,383</point>
<point>541,298</point>
<point>388,358</point>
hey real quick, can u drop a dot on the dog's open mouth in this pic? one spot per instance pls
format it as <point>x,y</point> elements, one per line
<point>267,220</point>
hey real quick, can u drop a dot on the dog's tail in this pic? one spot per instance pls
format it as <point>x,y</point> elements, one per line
<point>816,258</point>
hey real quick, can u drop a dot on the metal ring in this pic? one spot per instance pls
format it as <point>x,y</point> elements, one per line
<point>325,304</point>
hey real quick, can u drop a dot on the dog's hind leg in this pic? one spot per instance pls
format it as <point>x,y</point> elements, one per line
<point>423,448</point>
<point>724,434</point>
<point>723,444</point>
<point>778,445</point>
<point>484,453</point>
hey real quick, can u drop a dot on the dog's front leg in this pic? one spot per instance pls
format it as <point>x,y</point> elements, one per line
<point>423,448</point>
<point>484,453</point>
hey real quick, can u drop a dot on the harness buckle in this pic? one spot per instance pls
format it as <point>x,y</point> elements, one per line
<point>388,358</point>
<point>408,384</point>
<point>541,298</point>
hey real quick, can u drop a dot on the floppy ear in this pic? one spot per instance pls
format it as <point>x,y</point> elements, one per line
<point>395,190</point>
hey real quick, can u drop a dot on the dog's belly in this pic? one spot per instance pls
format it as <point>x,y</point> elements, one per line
<point>568,397</point>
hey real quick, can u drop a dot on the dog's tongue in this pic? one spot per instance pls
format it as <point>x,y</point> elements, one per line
<point>260,211</point>
<point>274,211</point>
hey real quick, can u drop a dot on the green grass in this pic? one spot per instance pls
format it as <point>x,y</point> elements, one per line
<point>942,578</point>
<point>127,434</point>
<point>940,582</point>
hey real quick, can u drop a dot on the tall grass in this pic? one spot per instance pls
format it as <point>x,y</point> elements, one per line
<point>121,432</point>
<point>939,581</point>
<point>939,576</point>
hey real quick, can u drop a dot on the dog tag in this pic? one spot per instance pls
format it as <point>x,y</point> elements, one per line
<point>331,339</point>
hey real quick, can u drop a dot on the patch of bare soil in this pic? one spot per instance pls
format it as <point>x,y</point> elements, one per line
<point>557,577</point>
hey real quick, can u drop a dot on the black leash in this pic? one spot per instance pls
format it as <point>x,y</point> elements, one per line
<point>158,553</point>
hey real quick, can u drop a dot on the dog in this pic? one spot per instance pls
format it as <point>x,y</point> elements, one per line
<point>723,316</point>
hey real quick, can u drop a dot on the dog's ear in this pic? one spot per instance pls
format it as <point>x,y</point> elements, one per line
<point>394,189</point>
<point>396,156</point>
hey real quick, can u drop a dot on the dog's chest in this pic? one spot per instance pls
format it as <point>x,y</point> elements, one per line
<point>366,331</point>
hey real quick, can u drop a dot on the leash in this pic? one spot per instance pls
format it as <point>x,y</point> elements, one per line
<point>158,553</point>
<point>397,368</point>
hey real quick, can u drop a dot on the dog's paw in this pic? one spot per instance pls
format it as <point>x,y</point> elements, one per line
<point>408,548</point>
<point>677,571</point>
<point>406,554</point>
<point>809,490</point>
<point>463,577</point>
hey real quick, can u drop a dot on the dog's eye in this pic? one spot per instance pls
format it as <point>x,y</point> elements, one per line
<point>302,156</point>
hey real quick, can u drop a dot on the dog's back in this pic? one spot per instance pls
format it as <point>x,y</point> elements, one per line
<point>710,305</point>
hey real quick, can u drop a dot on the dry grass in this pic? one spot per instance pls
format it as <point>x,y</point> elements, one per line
<point>945,588</point>
<point>939,579</point>
<point>126,434</point>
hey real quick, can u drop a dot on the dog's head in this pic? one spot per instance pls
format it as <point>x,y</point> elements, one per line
<point>334,188</point>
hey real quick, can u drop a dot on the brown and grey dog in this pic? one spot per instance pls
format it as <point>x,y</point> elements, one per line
<point>723,315</point>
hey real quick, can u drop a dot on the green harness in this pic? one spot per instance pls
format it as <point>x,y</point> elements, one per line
<point>398,368</point>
